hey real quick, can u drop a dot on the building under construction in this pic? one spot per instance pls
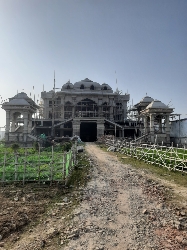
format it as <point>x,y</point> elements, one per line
<point>86,109</point>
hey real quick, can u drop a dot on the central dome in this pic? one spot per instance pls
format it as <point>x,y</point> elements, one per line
<point>87,83</point>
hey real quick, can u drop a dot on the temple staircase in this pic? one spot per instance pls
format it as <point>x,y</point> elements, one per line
<point>63,122</point>
<point>113,123</point>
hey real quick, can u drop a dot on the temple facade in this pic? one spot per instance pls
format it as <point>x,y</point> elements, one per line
<point>86,109</point>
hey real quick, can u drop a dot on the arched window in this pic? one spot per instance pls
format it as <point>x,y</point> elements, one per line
<point>82,86</point>
<point>105,88</point>
<point>92,87</point>
<point>86,108</point>
<point>68,87</point>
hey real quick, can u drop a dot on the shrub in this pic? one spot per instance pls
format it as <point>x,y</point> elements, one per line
<point>15,147</point>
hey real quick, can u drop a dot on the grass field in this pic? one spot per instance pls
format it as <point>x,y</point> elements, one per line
<point>33,164</point>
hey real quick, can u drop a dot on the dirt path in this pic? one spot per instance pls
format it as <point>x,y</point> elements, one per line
<point>120,209</point>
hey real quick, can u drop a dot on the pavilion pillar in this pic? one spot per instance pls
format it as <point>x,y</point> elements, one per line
<point>13,125</point>
<point>145,124</point>
<point>167,129</point>
<point>7,130</point>
<point>25,128</point>
<point>160,125</point>
<point>29,123</point>
<point>152,131</point>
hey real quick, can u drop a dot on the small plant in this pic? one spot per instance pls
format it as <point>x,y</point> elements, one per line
<point>36,146</point>
<point>15,147</point>
<point>67,146</point>
<point>80,174</point>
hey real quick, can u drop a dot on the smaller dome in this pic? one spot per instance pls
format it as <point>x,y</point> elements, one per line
<point>105,86</point>
<point>19,101</point>
<point>21,95</point>
<point>67,85</point>
<point>147,99</point>
<point>157,105</point>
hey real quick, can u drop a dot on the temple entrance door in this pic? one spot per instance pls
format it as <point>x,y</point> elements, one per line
<point>88,131</point>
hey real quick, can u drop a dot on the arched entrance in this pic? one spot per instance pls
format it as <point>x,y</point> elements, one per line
<point>88,131</point>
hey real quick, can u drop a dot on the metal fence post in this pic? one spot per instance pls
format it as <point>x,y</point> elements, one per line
<point>4,165</point>
<point>24,170</point>
<point>16,166</point>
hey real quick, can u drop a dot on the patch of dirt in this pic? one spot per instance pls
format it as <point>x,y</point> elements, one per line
<point>21,209</point>
<point>179,192</point>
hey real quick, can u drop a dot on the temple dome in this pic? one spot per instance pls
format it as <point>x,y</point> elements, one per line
<point>21,95</point>
<point>105,86</point>
<point>18,101</point>
<point>147,99</point>
<point>21,99</point>
<point>87,84</point>
<point>156,104</point>
<point>67,85</point>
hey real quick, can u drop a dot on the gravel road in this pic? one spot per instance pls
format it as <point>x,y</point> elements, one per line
<point>122,209</point>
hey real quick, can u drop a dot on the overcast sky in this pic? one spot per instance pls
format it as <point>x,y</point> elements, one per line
<point>143,41</point>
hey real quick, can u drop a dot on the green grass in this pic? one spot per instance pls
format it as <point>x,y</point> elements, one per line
<point>170,157</point>
<point>80,173</point>
<point>31,165</point>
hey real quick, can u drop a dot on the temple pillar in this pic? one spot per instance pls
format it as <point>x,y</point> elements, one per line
<point>62,112</point>
<point>100,111</point>
<point>30,123</point>
<point>73,111</point>
<point>145,124</point>
<point>7,130</point>
<point>123,133</point>
<point>160,125</point>
<point>25,128</point>
<point>152,131</point>
<point>76,127</point>
<point>167,129</point>
<point>111,113</point>
<point>100,128</point>
<point>13,125</point>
